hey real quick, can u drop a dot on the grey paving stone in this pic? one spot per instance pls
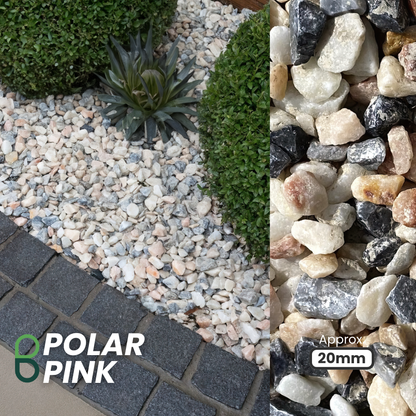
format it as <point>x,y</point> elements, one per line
<point>64,286</point>
<point>170,345</point>
<point>224,377</point>
<point>111,312</point>
<point>262,405</point>
<point>20,316</point>
<point>24,258</point>
<point>7,228</point>
<point>4,287</point>
<point>131,388</point>
<point>58,353</point>
<point>172,402</point>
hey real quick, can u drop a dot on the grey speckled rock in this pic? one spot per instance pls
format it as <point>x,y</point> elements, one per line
<point>279,160</point>
<point>380,252</point>
<point>281,360</point>
<point>303,351</point>
<point>326,298</point>
<point>307,22</point>
<point>283,407</point>
<point>376,219</point>
<point>402,300</point>
<point>388,14</point>
<point>355,391</point>
<point>389,362</point>
<point>337,7</point>
<point>322,153</point>
<point>370,154</point>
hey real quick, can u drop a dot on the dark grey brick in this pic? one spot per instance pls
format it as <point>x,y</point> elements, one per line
<point>7,228</point>
<point>23,316</point>
<point>170,345</point>
<point>4,287</point>
<point>64,286</point>
<point>262,405</point>
<point>131,388</point>
<point>172,402</point>
<point>224,377</point>
<point>58,353</point>
<point>24,258</point>
<point>111,312</point>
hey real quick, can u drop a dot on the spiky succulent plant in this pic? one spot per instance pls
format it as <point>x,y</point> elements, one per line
<point>148,93</point>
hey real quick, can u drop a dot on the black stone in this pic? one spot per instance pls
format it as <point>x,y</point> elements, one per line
<point>111,312</point>
<point>7,228</point>
<point>326,298</point>
<point>383,113</point>
<point>337,7</point>
<point>5,287</point>
<point>283,407</point>
<point>88,128</point>
<point>388,15</point>
<point>293,140</point>
<point>170,345</point>
<point>64,286</point>
<point>59,354</point>
<point>380,251</point>
<point>323,153</point>
<point>20,316</point>
<point>24,258</point>
<point>279,160</point>
<point>172,402</point>
<point>262,404</point>
<point>303,351</point>
<point>224,377</point>
<point>369,154</point>
<point>376,219</point>
<point>354,391</point>
<point>131,388</point>
<point>282,360</point>
<point>402,300</point>
<point>389,362</point>
<point>307,22</point>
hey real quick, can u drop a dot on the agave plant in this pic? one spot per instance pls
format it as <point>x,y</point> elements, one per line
<point>148,93</point>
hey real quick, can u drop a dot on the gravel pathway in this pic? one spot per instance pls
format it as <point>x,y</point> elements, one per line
<point>137,215</point>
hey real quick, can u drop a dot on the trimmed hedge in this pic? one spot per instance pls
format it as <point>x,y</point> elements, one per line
<point>234,132</point>
<point>52,47</point>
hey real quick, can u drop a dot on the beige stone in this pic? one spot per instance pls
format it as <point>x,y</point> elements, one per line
<point>278,81</point>
<point>339,376</point>
<point>393,335</point>
<point>395,41</point>
<point>364,91</point>
<point>286,247</point>
<point>404,208</point>
<point>401,149</point>
<point>370,339</point>
<point>385,401</point>
<point>319,265</point>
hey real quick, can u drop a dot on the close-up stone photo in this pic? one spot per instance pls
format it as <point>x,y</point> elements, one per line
<point>343,204</point>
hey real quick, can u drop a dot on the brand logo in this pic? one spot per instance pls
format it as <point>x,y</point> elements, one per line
<point>76,368</point>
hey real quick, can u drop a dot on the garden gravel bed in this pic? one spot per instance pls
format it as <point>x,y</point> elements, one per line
<point>138,215</point>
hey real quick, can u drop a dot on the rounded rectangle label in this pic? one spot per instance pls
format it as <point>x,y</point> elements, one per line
<point>342,358</point>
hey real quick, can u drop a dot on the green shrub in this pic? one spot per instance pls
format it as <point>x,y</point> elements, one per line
<point>234,132</point>
<point>148,94</point>
<point>52,47</point>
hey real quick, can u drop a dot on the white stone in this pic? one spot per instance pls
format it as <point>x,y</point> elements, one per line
<point>279,119</point>
<point>295,103</point>
<point>279,226</point>
<point>279,201</point>
<point>309,233</point>
<point>324,173</point>
<point>391,81</point>
<point>407,385</point>
<point>402,260</point>
<point>204,207</point>
<point>343,215</point>
<point>372,308</point>
<point>307,122</point>
<point>340,190</point>
<point>314,83</point>
<point>174,151</point>
<point>340,127</point>
<point>198,299</point>
<point>171,282</point>
<point>340,44</point>
<point>280,45</point>
<point>368,62</point>
<point>326,383</point>
<point>286,268</point>
<point>349,269</point>
<point>6,147</point>
<point>340,407</point>
<point>128,272</point>
<point>301,390</point>
<point>133,210</point>
<point>406,233</point>
<point>151,202</point>
<point>252,333</point>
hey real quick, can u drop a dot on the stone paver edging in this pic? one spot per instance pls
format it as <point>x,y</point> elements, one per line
<point>178,373</point>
